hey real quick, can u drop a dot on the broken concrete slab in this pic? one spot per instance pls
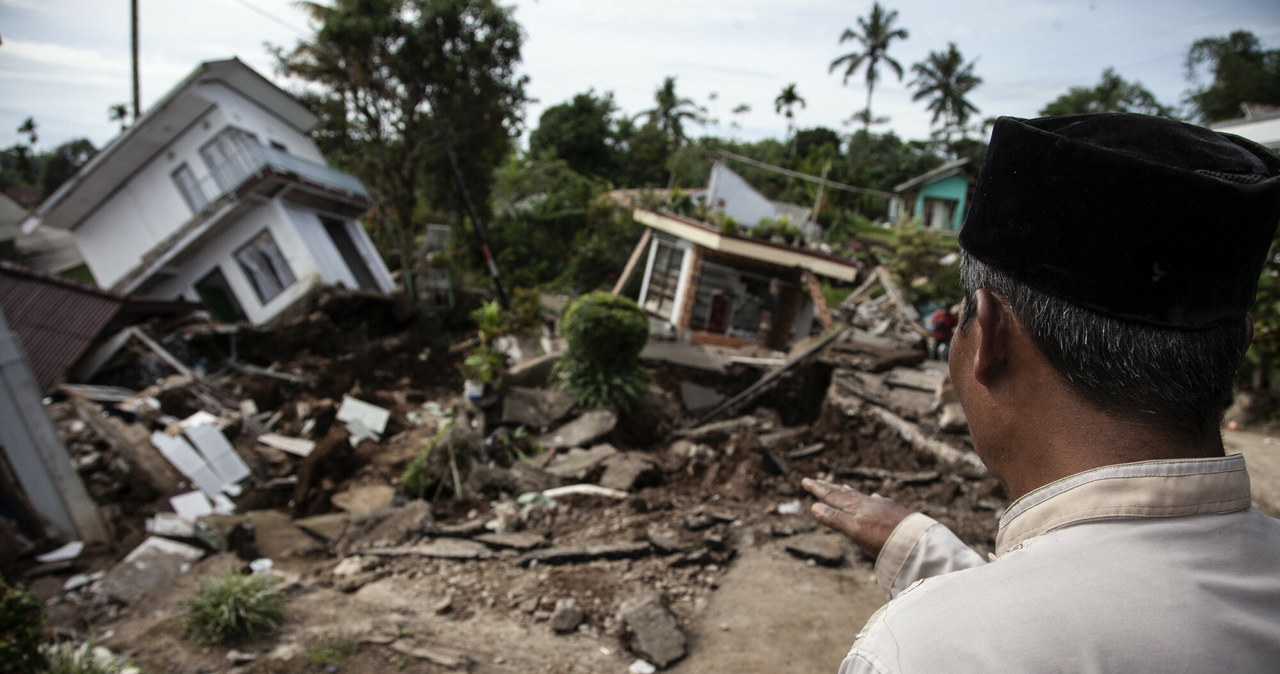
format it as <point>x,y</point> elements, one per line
<point>825,549</point>
<point>578,464</point>
<point>295,446</point>
<point>276,536</point>
<point>516,540</point>
<point>582,431</point>
<point>364,420</point>
<point>443,548</point>
<point>364,500</point>
<point>656,635</point>
<point>449,658</point>
<point>171,525</point>
<point>578,554</point>
<point>567,616</point>
<point>698,399</point>
<point>389,528</point>
<point>329,527</point>
<point>151,565</point>
<point>629,471</point>
<point>520,478</point>
<point>536,408</point>
<point>133,443</point>
<point>869,357</point>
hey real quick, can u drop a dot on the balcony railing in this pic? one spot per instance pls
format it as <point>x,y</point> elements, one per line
<point>252,159</point>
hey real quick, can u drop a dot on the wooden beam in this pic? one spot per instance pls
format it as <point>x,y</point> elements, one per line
<point>636,254</point>
<point>819,301</point>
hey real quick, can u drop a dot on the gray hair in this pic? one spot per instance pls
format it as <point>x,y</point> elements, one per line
<point>1175,381</point>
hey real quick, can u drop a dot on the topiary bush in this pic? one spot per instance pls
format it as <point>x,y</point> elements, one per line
<point>235,607</point>
<point>605,334</point>
<point>21,630</point>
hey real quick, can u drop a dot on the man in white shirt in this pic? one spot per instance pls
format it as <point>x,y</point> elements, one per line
<point>1110,262</point>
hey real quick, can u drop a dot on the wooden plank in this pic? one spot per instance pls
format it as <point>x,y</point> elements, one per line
<point>132,442</point>
<point>632,261</point>
<point>819,300</point>
<point>895,294</point>
<point>856,297</point>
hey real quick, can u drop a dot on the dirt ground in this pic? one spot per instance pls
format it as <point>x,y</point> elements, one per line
<point>750,588</point>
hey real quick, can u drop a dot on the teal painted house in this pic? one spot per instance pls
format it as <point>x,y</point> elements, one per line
<point>938,198</point>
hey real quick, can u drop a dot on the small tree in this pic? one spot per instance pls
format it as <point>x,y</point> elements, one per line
<point>605,334</point>
<point>21,630</point>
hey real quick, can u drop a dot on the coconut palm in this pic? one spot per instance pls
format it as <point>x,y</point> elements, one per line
<point>784,104</point>
<point>671,112</point>
<point>119,113</point>
<point>875,32</point>
<point>945,79</point>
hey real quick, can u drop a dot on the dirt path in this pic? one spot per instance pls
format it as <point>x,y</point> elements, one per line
<point>771,616</point>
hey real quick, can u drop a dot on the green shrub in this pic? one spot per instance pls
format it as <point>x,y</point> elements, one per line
<point>71,658</point>
<point>605,334</point>
<point>21,629</point>
<point>420,475</point>
<point>235,607</point>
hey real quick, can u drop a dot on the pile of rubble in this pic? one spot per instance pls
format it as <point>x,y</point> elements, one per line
<point>595,527</point>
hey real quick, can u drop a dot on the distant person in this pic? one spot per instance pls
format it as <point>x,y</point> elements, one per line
<point>1109,264</point>
<point>943,322</point>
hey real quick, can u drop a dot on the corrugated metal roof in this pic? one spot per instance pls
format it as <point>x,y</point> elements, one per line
<point>56,319</point>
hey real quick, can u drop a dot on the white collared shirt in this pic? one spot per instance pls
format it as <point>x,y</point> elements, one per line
<point>1157,566</point>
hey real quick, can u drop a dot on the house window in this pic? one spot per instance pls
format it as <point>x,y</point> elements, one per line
<point>279,146</point>
<point>190,188</point>
<point>262,262</point>
<point>230,157</point>
<point>664,279</point>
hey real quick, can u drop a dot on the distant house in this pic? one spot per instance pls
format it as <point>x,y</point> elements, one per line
<point>1261,124</point>
<point>218,195</point>
<point>731,289</point>
<point>938,198</point>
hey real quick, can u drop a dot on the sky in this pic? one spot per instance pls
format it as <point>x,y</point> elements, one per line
<point>65,62</point>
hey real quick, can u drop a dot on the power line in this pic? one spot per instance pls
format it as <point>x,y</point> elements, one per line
<point>796,174</point>
<point>268,15</point>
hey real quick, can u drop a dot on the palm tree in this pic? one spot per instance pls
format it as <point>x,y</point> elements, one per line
<point>945,79</point>
<point>876,32</point>
<point>784,104</point>
<point>118,113</point>
<point>671,112</point>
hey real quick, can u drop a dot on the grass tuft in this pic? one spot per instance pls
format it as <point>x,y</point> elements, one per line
<point>235,607</point>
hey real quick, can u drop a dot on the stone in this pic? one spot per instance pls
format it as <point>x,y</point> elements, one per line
<point>567,616</point>
<point>329,527</point>
<point>517,540</point>
<point>656,635</point>
<point>444,548</point>
<point>448,658</point>
<point>151,565</point>
<point>576,554</point>
<point>389,528</point>
<point>239,658</point>
<point>698,521</point>
<point>537,408</point>
<point>629,471</point>
<point>718,431</point>
<point>578,464</point>
<point>276,537</point>
<point>349,566</point>
<point>228,533</point>
<point>580,432</point>
<point>825,549</point>
<point>664,541</point>
<point>698,399</point>
<point>362,501</point>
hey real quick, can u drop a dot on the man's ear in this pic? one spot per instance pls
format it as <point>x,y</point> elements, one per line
<point>991,350</point>
<point>1248,330</point>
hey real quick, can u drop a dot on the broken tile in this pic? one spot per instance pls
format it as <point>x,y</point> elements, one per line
<point>363,420</point>
<point>284,443</point>
<point>219,453</point>
<point>183,456</point>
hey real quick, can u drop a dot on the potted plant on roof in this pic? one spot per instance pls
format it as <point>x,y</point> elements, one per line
<point>482,367</point>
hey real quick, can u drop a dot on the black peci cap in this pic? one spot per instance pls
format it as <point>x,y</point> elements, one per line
<point>1137,217</point>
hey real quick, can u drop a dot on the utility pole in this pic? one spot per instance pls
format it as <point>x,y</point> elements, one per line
<point>137,99</point>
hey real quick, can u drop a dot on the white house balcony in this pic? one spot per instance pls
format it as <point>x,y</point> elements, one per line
<point>254,169</point>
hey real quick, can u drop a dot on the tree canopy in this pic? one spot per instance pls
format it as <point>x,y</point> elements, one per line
<point>398,81</point>
<point>1242,72</point>
<point>945,79</point>
<point>581,132</point>
<point>874,34</point>
<point>1112,94</point>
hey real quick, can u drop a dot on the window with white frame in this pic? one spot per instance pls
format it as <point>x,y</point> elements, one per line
<point>264,264</point>
<point>660,297</point>
<point>229,156</point>
<point>190,188</point>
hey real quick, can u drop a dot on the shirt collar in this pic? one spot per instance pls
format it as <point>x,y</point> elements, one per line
<point>1163,488</point>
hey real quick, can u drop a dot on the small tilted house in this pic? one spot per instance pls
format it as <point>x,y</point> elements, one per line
<point>219,195</point>
<point>938,198</point>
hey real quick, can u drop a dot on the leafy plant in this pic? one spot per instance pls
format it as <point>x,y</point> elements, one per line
<point>21,629</point>
<point>605,334</point>
<point>483,364</point>
<point>235,607</point>
<point>419,476</point>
